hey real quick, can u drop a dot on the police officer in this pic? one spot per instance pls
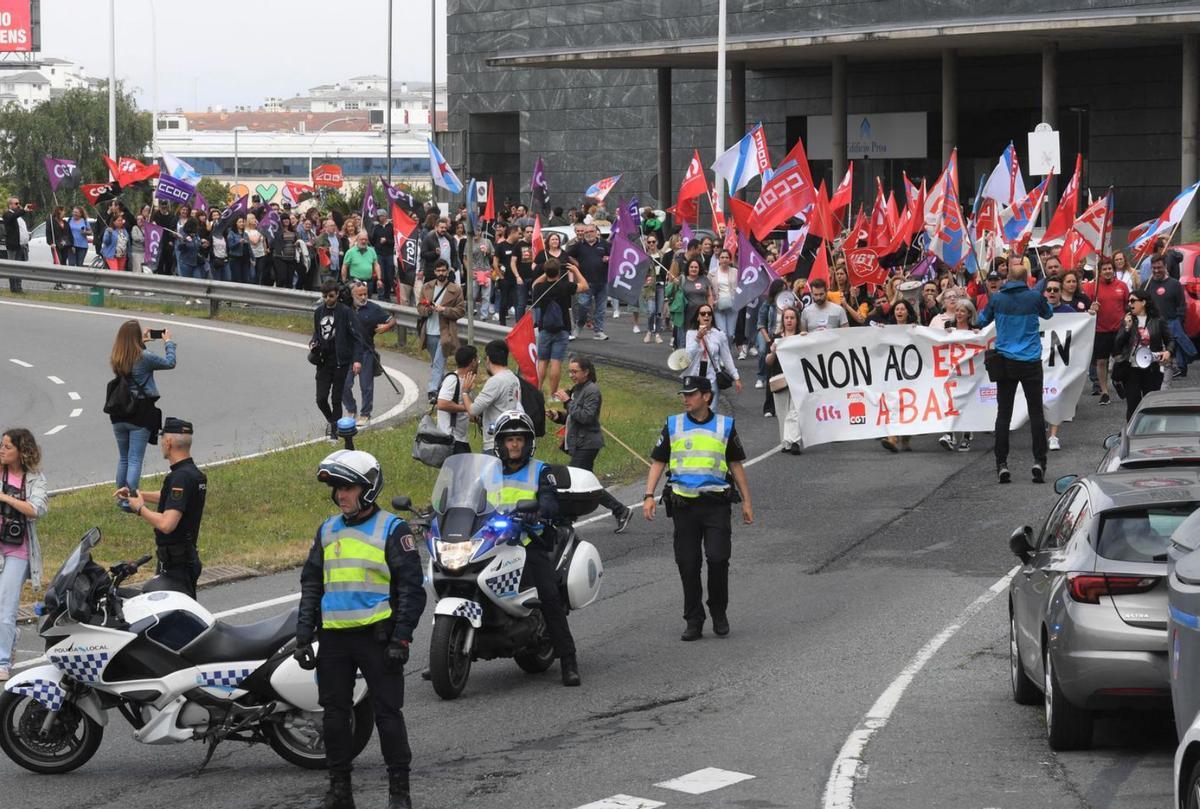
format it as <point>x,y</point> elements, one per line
<point>362,588</point>
<point>701,450</point>
<point>529,479</point>
<point>180,508</point>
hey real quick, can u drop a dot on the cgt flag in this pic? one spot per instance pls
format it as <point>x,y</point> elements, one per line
<point>270,226</point>
<point>628,265</point>
<point>95,193</point>
<point>174,191</point>
<point>539,187</point>
<point>295,193</point>
<point>403,225</point>
<point>523,346</point>
<point>239,209</point>
<point>62,173</point>
<point>368,203</point>
<point>154,237</point>
<point>402,198</point>
<point>128,171</point>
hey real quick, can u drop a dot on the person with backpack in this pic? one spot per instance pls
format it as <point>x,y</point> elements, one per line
<point>131,396</point>
<point>454,398</point>
<point>553,292</point>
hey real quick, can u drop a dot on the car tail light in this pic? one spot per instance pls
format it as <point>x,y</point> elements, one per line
<point>1087,588</point>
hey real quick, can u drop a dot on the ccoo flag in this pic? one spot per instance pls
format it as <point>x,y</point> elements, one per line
<point>443,175</point>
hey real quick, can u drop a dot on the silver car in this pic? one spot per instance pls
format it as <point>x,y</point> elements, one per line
<point>1088,607</point>
<point>1166,426</point>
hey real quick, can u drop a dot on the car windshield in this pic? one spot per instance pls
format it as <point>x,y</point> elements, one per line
<point>1155,421</point>
<point>1141,534</point>
<point>469,481</point>
<point>60,585</point>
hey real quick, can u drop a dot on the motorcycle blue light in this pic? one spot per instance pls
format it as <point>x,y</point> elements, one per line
<point>499,524</point>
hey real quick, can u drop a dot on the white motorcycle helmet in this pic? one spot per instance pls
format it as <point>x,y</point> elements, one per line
<point>349,467</point>
<point>514,422</point>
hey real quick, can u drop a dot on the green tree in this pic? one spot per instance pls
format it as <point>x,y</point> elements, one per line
<point>72,126</point>
<point>214,191</point>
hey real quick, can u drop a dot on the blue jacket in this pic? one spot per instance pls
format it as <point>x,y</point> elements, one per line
<point>108,247</point>
<point>1016,309</point>
<point>146,365</point>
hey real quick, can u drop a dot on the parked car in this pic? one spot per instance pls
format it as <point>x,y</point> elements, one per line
<point>1088,607</point>
<point>1166,425</point>
<point>40,253</point>
<point>1189,276</point>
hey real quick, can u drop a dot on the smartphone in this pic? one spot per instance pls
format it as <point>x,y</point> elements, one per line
<point>157,334</point>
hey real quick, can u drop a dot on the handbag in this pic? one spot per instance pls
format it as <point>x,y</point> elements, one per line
<point>1121,370</point>
<point>432,445</point>
<point>724,378</point>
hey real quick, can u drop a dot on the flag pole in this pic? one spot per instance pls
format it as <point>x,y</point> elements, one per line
<point>716,201</point>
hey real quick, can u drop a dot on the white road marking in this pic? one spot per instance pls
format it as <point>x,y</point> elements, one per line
<point>22,363</point>
<point>623,802</point>
<point>839,789</point>
<point>56,429</point>
<point>73,396</point>
<point>707,780</point>
<point>56,380</point>
<point>75,413</point>
<point>261,605</point>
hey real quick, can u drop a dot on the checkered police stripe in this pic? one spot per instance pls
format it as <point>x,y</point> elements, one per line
<point>85,667</point>
<point>506,583</point>
<point>469,610</point>
<point>46,692</point>
<point>222,678</point>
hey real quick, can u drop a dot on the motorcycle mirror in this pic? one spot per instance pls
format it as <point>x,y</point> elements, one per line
<point>526,506</point>
<point>402,503</point>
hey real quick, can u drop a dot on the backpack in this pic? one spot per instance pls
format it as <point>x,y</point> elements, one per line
<point>552,318</point>
<point>534,405</point>
<point>119,401</point>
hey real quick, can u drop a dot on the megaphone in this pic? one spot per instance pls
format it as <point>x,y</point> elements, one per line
<point>910,291</point>
<point>679,360</point>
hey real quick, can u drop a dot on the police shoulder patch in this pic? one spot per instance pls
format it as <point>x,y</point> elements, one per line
<point>177,493</point>
<point>408,543</point>
<point>550,479</point>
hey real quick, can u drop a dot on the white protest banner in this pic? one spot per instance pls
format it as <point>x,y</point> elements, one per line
<point>851,384</point>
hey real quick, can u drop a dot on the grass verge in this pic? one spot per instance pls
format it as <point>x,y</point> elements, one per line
<point>263,512</point>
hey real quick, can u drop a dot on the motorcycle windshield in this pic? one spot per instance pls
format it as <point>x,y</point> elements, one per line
<point>60,585</point>
<point>469,481</point>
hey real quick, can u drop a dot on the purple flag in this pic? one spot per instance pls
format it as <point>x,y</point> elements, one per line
<point>269,226</point>
<point>239,208</point>
<point>404,200</point>
<point>539,186</point>
<point>635,214</point>
<point>686,234</point>
<point>174,190</point>
<point>924,266</point>
<point>627,268</point>
<point>201,204</point>
<point>753,274</point>
<point>154,235</point>
<point>61,172</point>
<point>368,205</point>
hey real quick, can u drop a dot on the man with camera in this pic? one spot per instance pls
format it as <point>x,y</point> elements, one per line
<point>16,236</point>
<point>336,348</point>
<point>180,503</point>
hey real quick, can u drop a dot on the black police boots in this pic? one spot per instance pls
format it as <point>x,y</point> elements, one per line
<point>570,671</point>
<point>398,792</point>
<point>340,794</point>
<point>694,631</point>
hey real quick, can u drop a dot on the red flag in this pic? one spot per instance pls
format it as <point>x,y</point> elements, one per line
<point>523,347</point>
<point>841,194</point>
<point>800,157</point>
<point>489,209</point>
<point>1093,223</point>
<point>1075,247</point>
<point>858,232</point>
<point>891,216</point>
<point>539,244</point>
<point>820,267</point>
<point>820,223</point>
<point>128,171</point>
<point>694,183</point>
<point>327,175</point>
<point>731,238</point>
<point>877,228</point>
<point>786,264</point>
<point>918,219</point>
<point>403,225</point>
<point>1064,214</point>
<point>718,214</point>
<point>741,212</point>
<point>787,192</point>
<point>862,264</point>
<point>95,193</point>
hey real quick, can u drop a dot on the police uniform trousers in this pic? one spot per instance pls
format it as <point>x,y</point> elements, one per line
<point>342,654</point>
<point>702,526</point>
<point>179,566</point>
<point>539,571</point>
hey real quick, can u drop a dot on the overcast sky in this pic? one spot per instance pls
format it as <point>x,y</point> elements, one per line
<point>231,52</point>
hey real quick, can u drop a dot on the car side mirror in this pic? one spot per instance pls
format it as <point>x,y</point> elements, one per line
<point>402,503</point>
<point>526,507</point>
<point>1021,542</point>
<point>1064,483</point>
<point>1112,440</point>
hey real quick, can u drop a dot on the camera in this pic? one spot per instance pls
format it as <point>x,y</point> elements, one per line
<point>14,525</point>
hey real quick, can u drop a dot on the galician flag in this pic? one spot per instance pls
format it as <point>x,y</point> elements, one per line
<point>746,160</point>
<point>443,175</point>
<point>180,170</point>
<point>599,189</point>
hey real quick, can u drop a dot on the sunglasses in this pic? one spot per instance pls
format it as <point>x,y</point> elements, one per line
<point>704,314</point>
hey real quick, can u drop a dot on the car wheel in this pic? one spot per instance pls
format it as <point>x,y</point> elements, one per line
<point>1191,793</point>
<point>1068,727</point>
<point>1024,690</point>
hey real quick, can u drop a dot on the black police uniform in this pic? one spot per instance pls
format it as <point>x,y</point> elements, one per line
<point>702,524</point>
<point>539,567</point>
<point>184,490</point>
<point>345,652</point>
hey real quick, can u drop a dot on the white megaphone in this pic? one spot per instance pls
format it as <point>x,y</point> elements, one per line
<point>679,360</point>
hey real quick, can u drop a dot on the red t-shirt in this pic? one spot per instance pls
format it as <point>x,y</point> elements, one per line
<point>1112,299</point>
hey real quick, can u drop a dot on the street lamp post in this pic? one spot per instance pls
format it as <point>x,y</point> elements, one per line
<point>112,79</point>
<point>236,173</point>
<point>313,145</point>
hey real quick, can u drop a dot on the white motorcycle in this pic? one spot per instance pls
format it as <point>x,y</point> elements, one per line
<point>168,667</point>
<point>485,609</point>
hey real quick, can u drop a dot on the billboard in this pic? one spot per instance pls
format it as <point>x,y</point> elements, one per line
<point>870,135</point>
<point>16,30</point>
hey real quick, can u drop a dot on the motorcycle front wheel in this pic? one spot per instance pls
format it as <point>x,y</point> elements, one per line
<point>449,662</point>
<point>72,740</point>
<point>299,737</point>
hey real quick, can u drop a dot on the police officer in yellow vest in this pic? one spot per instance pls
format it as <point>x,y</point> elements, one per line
<point>701,450</point>
<point>526,478</point>
<point>361,590</point>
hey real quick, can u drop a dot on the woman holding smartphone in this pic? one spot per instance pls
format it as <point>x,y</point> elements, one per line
<point>133,432</point>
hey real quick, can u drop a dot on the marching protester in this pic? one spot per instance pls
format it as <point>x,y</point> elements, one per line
<point>500,394</point>
<point>653,294</point>
<point>336,348</point>
<point>552,294</point>
<point>365,630</point>
<point>724,286</point>
<point>441,305</point>
<point>479,262</point>
<point>24,499</point>
<point>701,451</point>
<point>360,262</point>
<point>505,271</point>
<point>590,254</point>
<point>1111,296</point>
<point>1144,348</point>
<point>176,521</point>
<point>709,354</point>
<point>439,245</point>
<point>137,422</point>
<point>1170,305</point>
<point>454,398</point>
<point>584,436</point>
<point>821,314</point>
<point>676,302</point>
<point>697,289</point>
<point>371,320</point>
<point>1016,309</point>
<point>787,325</point>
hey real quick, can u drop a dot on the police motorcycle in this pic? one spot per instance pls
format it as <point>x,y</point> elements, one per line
<point>485,608</point>
<point>173,671</point>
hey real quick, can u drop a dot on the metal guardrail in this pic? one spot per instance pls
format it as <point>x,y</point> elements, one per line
<point>213,292</point>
